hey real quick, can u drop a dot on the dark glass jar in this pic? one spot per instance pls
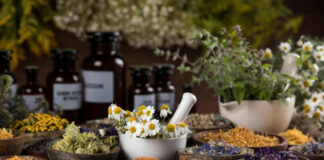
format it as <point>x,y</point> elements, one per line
<point>64,84</point>
<point>31,92</point>
<point>164,88</point>
<point>103,73</point>
<point>141,92</point>
<point>5,69</point>
<point>189,88</point>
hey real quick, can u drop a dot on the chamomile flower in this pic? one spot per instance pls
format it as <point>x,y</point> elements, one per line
<point>319,56</point>
<point>143,131</point>
<point>127,114</point>
<point>117,113</point>
<point>147,113</point>
<point>183,129</point>
<point>133,129</point>
<point>307,83</point>
<point>140,109</point>
<point>171,130</point>
<point>152,127</point>
<point>322,98</point>
<point>320,48</point>
<point>314,70</point>
<point>284,46</point>
<point>308,46</point>
<point>316,98</point>
<point>299,43</point>
<point>318,114</point>
<point>164,111</point>
<point>132,119</point>
<point>268,53</point>
<point>308,108</point>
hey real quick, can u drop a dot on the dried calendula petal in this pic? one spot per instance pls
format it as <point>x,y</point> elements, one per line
<point>295,137</point>
<point>5,134</point>
<point>241,137</point>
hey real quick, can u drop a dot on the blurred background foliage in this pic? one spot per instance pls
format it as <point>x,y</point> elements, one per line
<point>24,28</point>
<point>24,23</point>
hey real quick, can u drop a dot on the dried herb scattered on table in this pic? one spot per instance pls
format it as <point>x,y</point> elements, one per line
<point>241,137</point>
<point>309,149</point>
<point>103,130</point>
<point>295,137</point>
<point>267,154</point>
<point>84,143</point>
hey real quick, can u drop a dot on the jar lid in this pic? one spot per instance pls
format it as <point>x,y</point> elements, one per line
<point>164,68</point>
<point>103,36</point>
<point>64,53</point>
<point>5,55</point>
<point>140,70</point>
<point>31,69</point>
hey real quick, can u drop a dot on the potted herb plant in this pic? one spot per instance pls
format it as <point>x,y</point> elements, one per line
<point>253,92</point>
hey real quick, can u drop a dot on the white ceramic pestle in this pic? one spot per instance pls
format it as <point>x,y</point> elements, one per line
<point>188,100</point>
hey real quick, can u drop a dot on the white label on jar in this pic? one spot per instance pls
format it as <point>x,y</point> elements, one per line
<point>98,86</point>
<point>32,102</point>
<point>167,98</point>
<point>67,95</point>
<point>14,88</point>
<point>144,99</point>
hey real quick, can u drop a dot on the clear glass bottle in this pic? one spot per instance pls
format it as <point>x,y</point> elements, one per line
<point>141,92</point>
<point>31,92</point>
<point>164,88</point>
<point>5,69</point>
<point>104,74</point>
<point>64,84</point>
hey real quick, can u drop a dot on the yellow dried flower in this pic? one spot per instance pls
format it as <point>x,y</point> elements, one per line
<point>295,137</point>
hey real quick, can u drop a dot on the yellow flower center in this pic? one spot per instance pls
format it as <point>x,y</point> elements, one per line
<point>109,111</point>
<point>321,50</point>
<point>117,110</point>
<point>306,83</point>
<point>285,48</point>
<point>170,127</point>
<point>143,130</point>
<point>127,113</point>
<point>268,55</point>
<point>306,108</point>
<point>131,119</point>
<point>318,56</point>
<point>139,113</point>
<point>164,107</point>
<point>321,108</point>
<point>141,107</point>
<point>132,129</point>
<point>317,115</point>
<point>148,113</point>
<point>151,126</point>
<point>314,99</point>
<point>307,48</point>
<point>144,122</point>
<point>323,97</point>
<point>181,124</point>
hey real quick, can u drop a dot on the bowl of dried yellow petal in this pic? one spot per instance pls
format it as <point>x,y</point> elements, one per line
<point>11,142</point>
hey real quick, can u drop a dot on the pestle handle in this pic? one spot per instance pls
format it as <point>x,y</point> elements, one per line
<point>188,100</point>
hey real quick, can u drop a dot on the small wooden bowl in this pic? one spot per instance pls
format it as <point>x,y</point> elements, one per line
<point>282,146</point>
<point>34,137</point>
<point>33,152</point>
<point>24,156</point>
<point>12,146</point>
<point>55,154</point>
<point>316,157</point>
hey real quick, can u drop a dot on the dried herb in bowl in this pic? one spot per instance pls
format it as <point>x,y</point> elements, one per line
<point>311,148</point>
<point>103,130</point>
<point>6,134</point>
<point>206,121</point>
<point>295,137</point>
<point>267,154</point>
<point>241,137</point>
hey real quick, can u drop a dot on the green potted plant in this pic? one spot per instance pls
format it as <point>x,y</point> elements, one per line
<point>253,92</point>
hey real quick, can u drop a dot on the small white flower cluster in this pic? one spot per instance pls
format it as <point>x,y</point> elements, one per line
<point>150,23</point>
<point>311,57</point>
<point>140,122</point>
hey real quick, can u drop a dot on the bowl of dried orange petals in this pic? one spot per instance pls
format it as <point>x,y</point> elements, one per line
<point>11,142</point>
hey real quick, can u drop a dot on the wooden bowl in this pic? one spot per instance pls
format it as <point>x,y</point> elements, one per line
<point>12,146</point>
<point>282,146</point>
<point>34,137</point>
<point>29,151</point>
<point>316,157</point>
<point>23,156</point>
<point>54,154</point>
<point>227,125</point>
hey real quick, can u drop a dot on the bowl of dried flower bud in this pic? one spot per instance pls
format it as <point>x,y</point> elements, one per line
<point>242,137</point>
<point>312,150</point>
<point>11,142</point>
